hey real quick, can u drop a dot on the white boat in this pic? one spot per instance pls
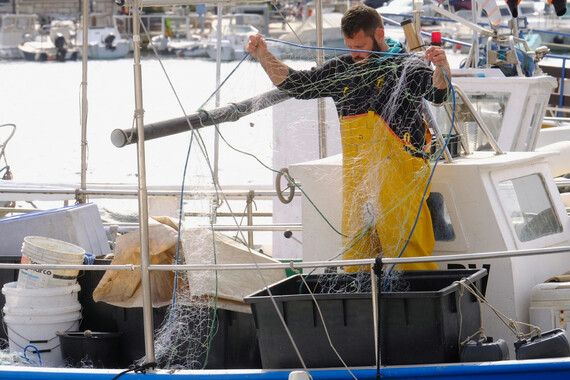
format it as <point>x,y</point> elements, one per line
<point>235,30</point>
<point>404,9</point>
<point>195,46</point>
<point>179,35</point>
<point>15,29</point>
<point>54,44</point>
<point>501,215</point>
<point>165,29</point>
<point>305,35</point>
<point>103,38</point>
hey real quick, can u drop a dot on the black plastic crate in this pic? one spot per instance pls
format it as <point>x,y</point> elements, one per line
<point>347,316</point>
<point>417,326</point>
<point>426,323</point>
<point>233,346</point>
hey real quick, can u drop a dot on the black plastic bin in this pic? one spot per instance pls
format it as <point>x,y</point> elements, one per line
<point>234,346</point>
<point>423,324</point>
<point>418,326</point>
<point>96,349</point>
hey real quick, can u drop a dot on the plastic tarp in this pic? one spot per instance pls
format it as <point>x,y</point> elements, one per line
<point>199,246</point>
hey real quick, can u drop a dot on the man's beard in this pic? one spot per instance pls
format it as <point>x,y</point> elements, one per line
<point>375,49</point>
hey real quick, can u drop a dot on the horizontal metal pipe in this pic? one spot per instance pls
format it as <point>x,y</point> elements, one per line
<point>302,264</point>
<point>231,112</point>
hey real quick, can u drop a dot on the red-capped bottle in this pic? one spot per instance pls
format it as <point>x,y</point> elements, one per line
<point>436,38</point>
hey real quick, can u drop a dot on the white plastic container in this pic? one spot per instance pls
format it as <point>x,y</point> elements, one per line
<point>43,250</point>
<point>36,335</point>
<point>78,224</point>
<point>40,298</point>
<point>549,306</point>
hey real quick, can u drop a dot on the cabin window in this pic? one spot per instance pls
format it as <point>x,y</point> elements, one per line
<point>491,108</point>
<point>535,122</point>
<point>529,207</point>
<point>442,228</point>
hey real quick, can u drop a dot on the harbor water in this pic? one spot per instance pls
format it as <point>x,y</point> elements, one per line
<point>43,99</point>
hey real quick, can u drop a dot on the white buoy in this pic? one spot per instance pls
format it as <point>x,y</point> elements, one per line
<point>299,375</point>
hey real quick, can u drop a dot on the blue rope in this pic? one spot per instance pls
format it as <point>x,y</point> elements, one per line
<point>37,352</point>
<point>332,49</point>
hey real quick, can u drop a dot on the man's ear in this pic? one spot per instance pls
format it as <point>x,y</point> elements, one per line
<point>379,35</point>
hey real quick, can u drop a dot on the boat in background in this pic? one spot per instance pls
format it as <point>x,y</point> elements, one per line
<point>160,28</point>
<point>305,34</point>
<point>180,36</point>
<point>194,46</point>
<point>54,43</point>
<point>235,31</point>
<point>14,30</point>
<point>103,38</point>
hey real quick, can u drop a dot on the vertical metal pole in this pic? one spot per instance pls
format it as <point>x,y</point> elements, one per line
<point>321,117</point>
<point>375,316</point>
<point>250,197</point>
<point>561,89</point>
<point>218,78</point>
<point>475,42</point>
<point>143,196</point>
<point>85,14</point>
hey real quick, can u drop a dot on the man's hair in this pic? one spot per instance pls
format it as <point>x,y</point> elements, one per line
<point>361,17</point>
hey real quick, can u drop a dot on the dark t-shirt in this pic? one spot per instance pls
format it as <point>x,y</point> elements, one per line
<point>392,86</point>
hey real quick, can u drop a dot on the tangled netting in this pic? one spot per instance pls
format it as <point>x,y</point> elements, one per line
<point>388,157</point>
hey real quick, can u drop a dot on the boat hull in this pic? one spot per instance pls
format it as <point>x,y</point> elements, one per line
<point>552,369</point>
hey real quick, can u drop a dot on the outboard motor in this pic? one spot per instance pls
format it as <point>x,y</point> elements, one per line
<point>60,44</point>
<point>559,7</point>
<point>108,40</point>
<point>513,7</point>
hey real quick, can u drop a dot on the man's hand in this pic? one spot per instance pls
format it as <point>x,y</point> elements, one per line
<point>256,46</point>
<point>437,56</point>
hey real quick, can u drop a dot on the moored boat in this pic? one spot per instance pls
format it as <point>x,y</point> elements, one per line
<point>14,30</point>
<point>103,38</point>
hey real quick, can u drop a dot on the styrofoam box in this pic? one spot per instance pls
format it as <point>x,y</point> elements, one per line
<point>78,224</point>
<point>550,306</point>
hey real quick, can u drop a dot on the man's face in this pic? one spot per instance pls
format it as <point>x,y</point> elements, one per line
<point>361,41</point>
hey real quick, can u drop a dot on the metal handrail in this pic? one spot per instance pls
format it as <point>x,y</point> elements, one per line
<point>301,264</point>
<point>480,122</point>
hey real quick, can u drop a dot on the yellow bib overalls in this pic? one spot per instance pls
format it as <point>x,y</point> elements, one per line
<point>383,185</point>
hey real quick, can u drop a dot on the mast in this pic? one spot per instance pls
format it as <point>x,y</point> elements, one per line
<point>143,196</point>
<point>321,115</point>
<point>80,198</point>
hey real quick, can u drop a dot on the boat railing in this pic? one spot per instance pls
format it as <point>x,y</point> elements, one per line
<point>558,97</point>
<point>246,198</point>
<point>295,264</point>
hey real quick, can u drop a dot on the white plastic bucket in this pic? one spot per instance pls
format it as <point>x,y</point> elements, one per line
<point>39,312</point>
<point>43,250</point>
<point>40,298</point>
<point>36,335</point>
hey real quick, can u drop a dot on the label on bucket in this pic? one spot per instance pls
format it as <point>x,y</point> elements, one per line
<point>44,278</point>
<point>62,274</point>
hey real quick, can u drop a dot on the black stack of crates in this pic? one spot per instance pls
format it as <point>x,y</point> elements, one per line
<point>234,345</point>
<point>419,325</point>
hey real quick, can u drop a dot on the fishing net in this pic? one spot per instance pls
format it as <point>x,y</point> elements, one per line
<point>374,116</point>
